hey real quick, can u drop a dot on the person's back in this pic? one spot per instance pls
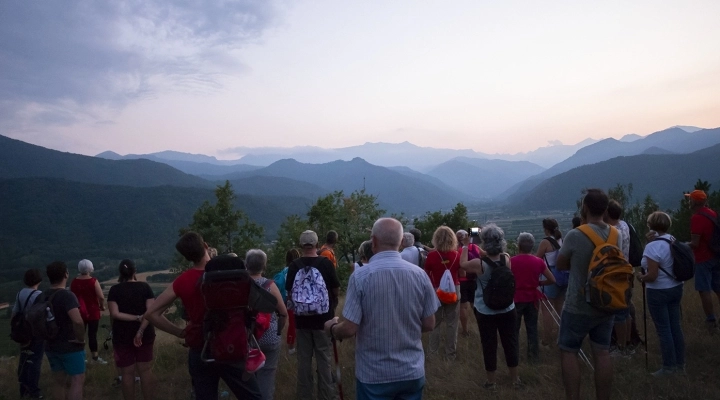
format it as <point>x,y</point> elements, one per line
<point>527,269</point>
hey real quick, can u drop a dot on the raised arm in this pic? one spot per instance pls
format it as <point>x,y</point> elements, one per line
<point>473,266</point>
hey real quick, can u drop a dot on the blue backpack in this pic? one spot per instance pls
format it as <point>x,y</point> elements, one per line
<point>561,277</point>
<point>279,279</point>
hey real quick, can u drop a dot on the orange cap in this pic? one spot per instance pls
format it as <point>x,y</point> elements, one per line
<point>696,195</point>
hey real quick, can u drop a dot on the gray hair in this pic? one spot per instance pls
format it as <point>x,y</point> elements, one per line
<point>408,239</point>
<point>525,242</point>
<point>255,261</point>
<point>493,239</point>
<point>365,251</point>
<point>388,232</point>
<point>85,267</point>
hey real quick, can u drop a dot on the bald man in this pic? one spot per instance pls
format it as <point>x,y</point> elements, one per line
<point>389,304</point>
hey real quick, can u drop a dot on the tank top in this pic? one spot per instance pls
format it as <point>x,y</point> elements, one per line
<point>551,256</point>
<point>84,290</point>
<point>270,338</point>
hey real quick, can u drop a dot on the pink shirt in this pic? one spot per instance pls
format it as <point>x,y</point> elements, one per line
<point>527,269</point>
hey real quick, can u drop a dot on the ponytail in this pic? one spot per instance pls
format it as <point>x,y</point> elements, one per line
<point>557,234</point>
<point>126,270</point>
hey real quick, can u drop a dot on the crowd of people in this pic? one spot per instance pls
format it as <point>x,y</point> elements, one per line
<point>395,294</point>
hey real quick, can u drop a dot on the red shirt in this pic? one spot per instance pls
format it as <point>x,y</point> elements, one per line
<point>701,225</point>
<point>84,290</point>
<point>187,289</point>
<point>527,269</point>
<point>437,262</point>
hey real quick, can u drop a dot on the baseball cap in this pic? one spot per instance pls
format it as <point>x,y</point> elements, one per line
<point>308,237</point>
<point>697,195</point>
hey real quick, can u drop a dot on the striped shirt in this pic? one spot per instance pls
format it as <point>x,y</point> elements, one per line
<point>388,299</point>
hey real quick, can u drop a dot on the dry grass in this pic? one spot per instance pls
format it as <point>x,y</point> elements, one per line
<point>461,379</point>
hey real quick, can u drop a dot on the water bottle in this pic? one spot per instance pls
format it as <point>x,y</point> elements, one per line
<point>50,316</point>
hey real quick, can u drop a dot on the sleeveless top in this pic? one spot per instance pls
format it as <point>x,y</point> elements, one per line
<point>84,290</point>
<point>270,338</point>
<point>551,256</point>
<point>482,281</point>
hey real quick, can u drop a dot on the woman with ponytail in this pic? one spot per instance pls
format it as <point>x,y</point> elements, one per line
<point>548,250</point>
<point>132,335</point>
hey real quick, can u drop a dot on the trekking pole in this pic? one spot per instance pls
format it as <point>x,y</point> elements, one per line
<point>645,338</point>
<point>337,370</point>
<point>556,317</point>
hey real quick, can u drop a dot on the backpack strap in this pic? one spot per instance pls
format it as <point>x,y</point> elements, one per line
<point>27,300</point>
<point>553,242</point>
<point>711,218</point>
<point>669,242</point>
<point>596,239</point>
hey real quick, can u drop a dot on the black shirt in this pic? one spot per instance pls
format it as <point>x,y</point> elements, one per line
<point>63,302</point>
<point>327,270</point>
<point>131,298</point>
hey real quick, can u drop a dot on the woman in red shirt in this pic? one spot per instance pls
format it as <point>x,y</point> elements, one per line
<point>527,269</point>
<point>91,300</point>
<point>445,257</point>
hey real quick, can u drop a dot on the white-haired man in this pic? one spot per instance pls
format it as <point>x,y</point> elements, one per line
<point>409,252</point>
<point>389,303</point>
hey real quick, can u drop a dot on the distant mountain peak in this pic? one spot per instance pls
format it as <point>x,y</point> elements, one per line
<point>631,137</point>
<point>688,129</point>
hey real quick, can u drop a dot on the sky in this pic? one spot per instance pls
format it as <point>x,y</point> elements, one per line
<point>211,77</point>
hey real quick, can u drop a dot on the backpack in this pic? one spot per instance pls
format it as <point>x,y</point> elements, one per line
<point>499,292</point>
<point>715,238</point>
<point>561,277</point>
<point>20,329</point>
<point>636,248</point>
<point>279,279</point>
<point>309,294</point>
<point>683,260</point>
<point>232,301</point>
<point>446,291</point>
<point>262,319</point>
<point>608,284</point>
<point>422,256</point>
<point>41,316</point>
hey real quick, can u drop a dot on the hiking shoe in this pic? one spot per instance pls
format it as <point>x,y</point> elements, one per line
<point>99,361</point>
<point>117,382</point>
<point>490,386</point>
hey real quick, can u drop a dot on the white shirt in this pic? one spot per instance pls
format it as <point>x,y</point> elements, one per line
<point>659,251</point>
<point>411,254</point>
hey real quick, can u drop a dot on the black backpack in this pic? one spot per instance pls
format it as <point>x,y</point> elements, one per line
<point>683,260</point>
<point>422,256</point>
<point>636,248</point>
<point>41,316</point>
<point>715,239</point>
<point>499,292</point>
<point>20,329</point>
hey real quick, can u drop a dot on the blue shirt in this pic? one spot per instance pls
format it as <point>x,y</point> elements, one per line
<point>388,298</point>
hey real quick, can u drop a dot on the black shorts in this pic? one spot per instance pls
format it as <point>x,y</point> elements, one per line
<point>467,291</point>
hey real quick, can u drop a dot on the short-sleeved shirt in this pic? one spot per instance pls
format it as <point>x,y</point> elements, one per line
<point>22,298</point>
<point>270,338</point>
<point>659,251</point>
<point>482,281</point>
<point>63,302</point>
<point>527,269</point>
<point>439,261</point>
<point>388,299</point>
<point>701,225</point>
<point>578,248</point>
<point>329,254</point>
<point>187,289</point>
<point>131,298</point>
<point>624,231</point>
<point>327,270</point>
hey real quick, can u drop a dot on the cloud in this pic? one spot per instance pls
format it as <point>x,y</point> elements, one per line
<point>68,57</point>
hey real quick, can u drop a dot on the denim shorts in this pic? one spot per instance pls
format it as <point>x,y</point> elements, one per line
<point>554,291</point>
<point>707,276</point>
<point>574,328</point>
<point>69,363</point>
<point>621,316</point>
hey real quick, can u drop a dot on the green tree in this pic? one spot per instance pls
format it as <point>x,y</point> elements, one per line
<point>288,237</point>
<point>456,219</point>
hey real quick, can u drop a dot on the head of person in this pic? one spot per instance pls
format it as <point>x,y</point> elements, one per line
<point>576,221</point>
<point>291,255</point>
<point>697,199</point>
<point>525,242</point>
<point>594,204</point>
<point>493,239</point>
<point>365,251</point>
<point>408,240</point>
<point>444,239</point>
<point>192,246</point>
<point>308,241</point>
<point>462,237</point>
<point>416,234</point>
<point>32,277</point>
<point>255,261</point>
<point>614,210</point>
<point>56,272</point>
<point>212,252</point>
<point>659,222</point>
<point>551,228</point>
<point>331,238</point>
<point>386,235</point>
<point>126,270</point>
<point>85,267</point>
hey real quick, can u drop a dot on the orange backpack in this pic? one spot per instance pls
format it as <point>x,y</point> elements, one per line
<point>609,273</point>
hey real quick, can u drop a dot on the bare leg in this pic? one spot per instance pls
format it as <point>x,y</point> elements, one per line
<point>603,374</point>
<point>571,374</point>
<point>707,303</point>
<point>59,380</point>
<point>128,382</point>
<point>464,309</point>
<point>147,379</point>
<point>76,387</point>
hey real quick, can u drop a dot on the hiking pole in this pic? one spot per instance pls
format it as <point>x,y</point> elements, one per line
<point>337,370</point>
<point>645,327</point>
<point>556,317</point>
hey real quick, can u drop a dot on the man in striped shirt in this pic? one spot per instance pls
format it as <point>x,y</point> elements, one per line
<point>390,303</point>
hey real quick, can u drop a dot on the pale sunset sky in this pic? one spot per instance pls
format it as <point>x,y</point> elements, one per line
<point>494,76</point>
